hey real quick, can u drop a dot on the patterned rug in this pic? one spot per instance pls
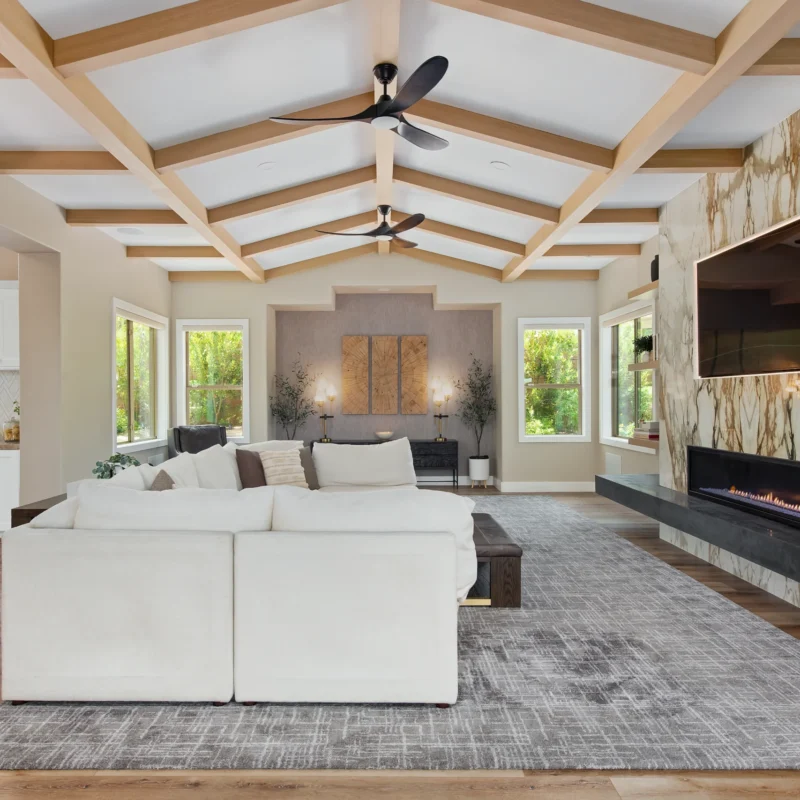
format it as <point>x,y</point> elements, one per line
<point>615,661</point>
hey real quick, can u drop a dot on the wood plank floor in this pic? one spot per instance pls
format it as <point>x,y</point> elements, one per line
<point>487,785</point>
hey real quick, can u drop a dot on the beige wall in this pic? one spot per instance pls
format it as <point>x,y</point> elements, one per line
<point>9,265</point>
<point>94,269</point>
<point>616,280</point>
<point>518,462</point>
<point>40,376</point>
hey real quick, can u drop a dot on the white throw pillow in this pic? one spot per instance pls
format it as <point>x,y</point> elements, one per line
<point>181,469</point>
<point>273,444</point>
<point>388,464</point>
<point>214,468</point>
<point>61,515</point>
<point>375,512</point>
<point>130,478</point>
<point>230,451</point>
<point>179,510</point>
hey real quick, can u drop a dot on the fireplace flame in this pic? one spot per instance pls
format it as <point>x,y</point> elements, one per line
<point>765,498</point>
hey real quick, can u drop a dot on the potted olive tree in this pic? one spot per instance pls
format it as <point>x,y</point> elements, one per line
<point>290,404</point>
<point>476,408</point>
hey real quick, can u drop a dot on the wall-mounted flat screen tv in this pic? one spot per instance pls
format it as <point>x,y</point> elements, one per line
<point>748,307</point>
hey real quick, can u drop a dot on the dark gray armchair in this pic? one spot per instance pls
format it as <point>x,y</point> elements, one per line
<point>194,438</point>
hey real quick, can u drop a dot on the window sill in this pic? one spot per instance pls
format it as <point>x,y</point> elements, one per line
<point>137,447</point>
<point>623,444</point>
<point>564,438</point>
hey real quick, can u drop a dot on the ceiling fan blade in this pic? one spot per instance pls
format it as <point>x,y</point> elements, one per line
<point>363,116</point>
<point>409,223</point>
<point>422,80</point>
<point>403,242</point>
<point>335,233</point>
<point>427,141</point>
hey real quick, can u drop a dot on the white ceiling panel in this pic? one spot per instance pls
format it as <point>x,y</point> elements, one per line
<point>93,191</point>
<point>30,120</point>
<point>708,17</point>
<point>470,161</point>
<point>457,249</point>
<point>66,17</point>
<point>557,262</point>
<point>244,77</point>
<point>305,215</point>
<point>337,149</point>
<point>649,190</point>
<point>742,113</point>
<point>466,215</point>
<point>610,234</point>
<point>524,76</point>
<point>318,247</point>
<point>165,235</point>
<point>198,264</point>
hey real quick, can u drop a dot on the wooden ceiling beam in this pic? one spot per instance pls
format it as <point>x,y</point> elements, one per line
<point>170,251</point>
<point>476,195</point>
<point>283,198</point>
<point>759,25</point>
<point>696,160</point>
<point>307,234</point>
<point>253,136</point>
<point>588,250</point>
<point>8,71</point>
<point>622,216</point>
<point>59,162</point>
<point>782,59</point>
<point>206,276</point>
<point>561,275</point>
<point>459,264</point>
<point>169,29</point>
<point>111,217</point>
<point>602,27</point>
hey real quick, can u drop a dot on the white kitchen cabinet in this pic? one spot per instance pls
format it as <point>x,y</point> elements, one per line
<point>9,486</point>
<point>9,325</point>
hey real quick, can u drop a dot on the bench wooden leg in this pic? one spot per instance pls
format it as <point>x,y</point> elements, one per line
<point>506,582</point>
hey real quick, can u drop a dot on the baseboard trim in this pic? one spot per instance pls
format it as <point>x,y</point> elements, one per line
<point>463,480</point>
<point>545,487</point>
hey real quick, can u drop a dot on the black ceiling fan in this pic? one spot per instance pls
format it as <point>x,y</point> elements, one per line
<point>386,232</point>
<point>387,113</point>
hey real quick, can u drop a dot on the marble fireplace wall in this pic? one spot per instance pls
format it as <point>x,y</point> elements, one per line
<point>753,414</point>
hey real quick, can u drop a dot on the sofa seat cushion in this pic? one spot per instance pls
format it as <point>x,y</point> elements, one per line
<point>347,489</point>
<point>383,511</point>
<point>387,464</point>
<point>108,508</point>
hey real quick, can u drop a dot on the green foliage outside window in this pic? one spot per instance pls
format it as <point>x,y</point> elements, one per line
<point>215,379</point>
<point>552,360</point>
<point>135,381</point>
<point>632,392</point>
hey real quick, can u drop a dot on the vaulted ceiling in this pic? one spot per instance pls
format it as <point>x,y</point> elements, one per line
<point>570,123</point>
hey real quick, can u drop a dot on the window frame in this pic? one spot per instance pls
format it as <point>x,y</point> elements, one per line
<point>182,326</point>
<point>584,324</point>
<point>121,308</point>
<point>626,313</point>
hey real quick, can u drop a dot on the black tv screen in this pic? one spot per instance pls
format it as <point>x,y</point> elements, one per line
<point>748,307</point>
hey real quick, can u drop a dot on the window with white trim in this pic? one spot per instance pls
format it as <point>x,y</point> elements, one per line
<point>555,391</point>
<point>213,375</point>
<point>141,378</point>
<point>626,397</point>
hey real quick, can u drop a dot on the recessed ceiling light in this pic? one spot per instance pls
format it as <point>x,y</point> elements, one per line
<point>266,165</point>
<point>501,165</point>
<point>129,231</point>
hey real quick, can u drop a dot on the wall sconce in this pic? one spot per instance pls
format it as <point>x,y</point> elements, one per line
<point>438,401</point>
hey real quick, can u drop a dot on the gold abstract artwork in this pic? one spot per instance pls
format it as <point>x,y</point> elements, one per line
<point>414,374</point>
<point>355,374</point>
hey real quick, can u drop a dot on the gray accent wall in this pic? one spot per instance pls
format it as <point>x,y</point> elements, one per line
<point>316,338</point>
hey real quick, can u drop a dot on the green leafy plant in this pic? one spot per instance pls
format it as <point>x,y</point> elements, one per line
<point>476,406</point>
<point>16,407</point>
<point>290,403</point>
<point>108,468</point>
<point>643,344</point>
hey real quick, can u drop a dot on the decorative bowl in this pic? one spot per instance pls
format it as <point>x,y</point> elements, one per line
<point>384,434</point>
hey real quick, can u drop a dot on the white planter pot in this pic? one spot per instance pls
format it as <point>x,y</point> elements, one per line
<point>478,469</point>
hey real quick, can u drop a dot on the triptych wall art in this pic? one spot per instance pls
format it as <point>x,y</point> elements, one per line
<point>380,373</point>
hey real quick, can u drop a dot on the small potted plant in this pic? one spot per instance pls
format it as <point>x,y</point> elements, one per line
<point>105,470</point>
<point>643,346</point>
<point>476,408</point>
<point>291,404</point>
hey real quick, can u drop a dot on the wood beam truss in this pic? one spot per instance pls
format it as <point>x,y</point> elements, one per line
<point>746,39</point>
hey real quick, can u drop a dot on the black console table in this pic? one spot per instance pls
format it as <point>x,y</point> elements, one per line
<point>427,453</point>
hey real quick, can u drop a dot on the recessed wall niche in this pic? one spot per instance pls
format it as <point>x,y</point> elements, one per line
<point>452,337</point>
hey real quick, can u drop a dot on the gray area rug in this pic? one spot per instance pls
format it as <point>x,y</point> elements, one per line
<point>615,661</point>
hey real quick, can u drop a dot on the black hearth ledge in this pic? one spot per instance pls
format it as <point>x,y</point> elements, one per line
<point>765,542</point>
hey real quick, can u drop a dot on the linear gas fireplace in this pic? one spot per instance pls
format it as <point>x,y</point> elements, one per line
<point>769,487</point>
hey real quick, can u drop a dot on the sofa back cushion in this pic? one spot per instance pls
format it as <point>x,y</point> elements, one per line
<point>227,510</point>
<point>387,464</point>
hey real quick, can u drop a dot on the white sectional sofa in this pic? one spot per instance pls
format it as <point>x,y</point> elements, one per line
<point>270,594</point>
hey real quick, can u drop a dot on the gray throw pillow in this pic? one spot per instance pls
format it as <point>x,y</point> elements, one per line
<point>162,482</point>
<point>251,470</point>
<point>308,467</point>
